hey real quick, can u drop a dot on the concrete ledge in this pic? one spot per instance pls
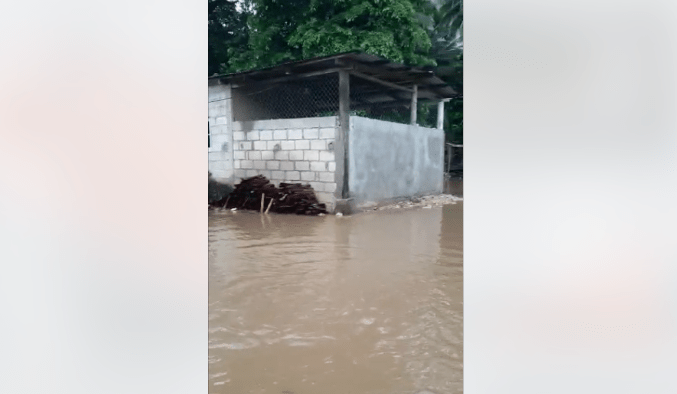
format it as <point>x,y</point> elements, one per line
<point>277,124</point>
<point>368,205</point>
<point>344,206</point>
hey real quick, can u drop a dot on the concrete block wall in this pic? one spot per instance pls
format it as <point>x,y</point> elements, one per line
<point>389,160</point>
<point>288,150</point>
<point>221,139</point>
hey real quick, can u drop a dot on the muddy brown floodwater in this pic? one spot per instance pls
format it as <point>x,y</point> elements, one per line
<point>370,303</point>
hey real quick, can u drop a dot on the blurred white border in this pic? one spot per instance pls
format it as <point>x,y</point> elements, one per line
<point>103,226</point>
<point>570,186</point>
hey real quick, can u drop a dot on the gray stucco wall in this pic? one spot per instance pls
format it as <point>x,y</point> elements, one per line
<point>389,160</point>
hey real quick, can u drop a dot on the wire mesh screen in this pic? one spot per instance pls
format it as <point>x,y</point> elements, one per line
<point>318,96</point>
<point>376,101</point>
<point>299,98</point>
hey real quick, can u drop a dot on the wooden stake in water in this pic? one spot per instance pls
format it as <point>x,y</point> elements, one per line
<point>226,204</point>
<point>263,197</point>
<point>270,205</point>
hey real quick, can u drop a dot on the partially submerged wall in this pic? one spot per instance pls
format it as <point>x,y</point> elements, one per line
<point>288,150</point>
<point>389,160</point>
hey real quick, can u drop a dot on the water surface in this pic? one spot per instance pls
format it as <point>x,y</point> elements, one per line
<point>370,303</point>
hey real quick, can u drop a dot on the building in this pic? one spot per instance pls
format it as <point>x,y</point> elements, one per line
<point>345,124</point>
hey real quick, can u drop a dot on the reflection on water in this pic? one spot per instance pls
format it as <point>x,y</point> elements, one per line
<point>371,303</point>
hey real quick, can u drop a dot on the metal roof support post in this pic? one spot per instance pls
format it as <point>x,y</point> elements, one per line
<point>414,104</point>
<point>440,114</point>
<point>342,137</point>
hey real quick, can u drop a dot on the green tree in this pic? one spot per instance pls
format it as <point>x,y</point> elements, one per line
<point>443,21</point>
<point>227,33</point>
<point>297,29</point>
<point>387,28</point>
<point>270,24</point>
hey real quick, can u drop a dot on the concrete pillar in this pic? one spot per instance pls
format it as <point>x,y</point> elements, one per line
<point>414,104</point>
<point>440,114</point>
<point>341,148</point>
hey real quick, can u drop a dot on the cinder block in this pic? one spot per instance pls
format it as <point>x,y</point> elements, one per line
<point>296,155</point>
<point>217,141</point>
<point>317,186</point>
<point>220,120</point>
<point>218,129</point>
<point>302,165</point>
<point>328,132</point>
<point>277,175</point>
<point>253,135</point>
<point>311,155</point>
<point>302,144</point>
<point>239,173</point>
<point>265,173</point>
<point>327,156</point>
<point>218,92</point>
<point>273,145</point>
<point>246,164</point>
<point>325,197</point>
<point>327,176</point>
<point>330,187</point>
<point>260,145</point>
<point>267,155</point>
<point>217,108</point>
<point>282,155</point>
<point>266,134</point>
<point>254,155</point>
<point>292,175</point>
<point>288,145</point>
<point>331,166</point>
<point>245,145</point>
<point>251,173</point>
<point>236,164</point>
<point>308,176</point>
<point>311,134</point>
<point>280,134</point>
<point>238,136</point>
<point>273,165</point>
<point>287,165</point>
<point>239,155</point>
<point>294,134</point>
<point>259,165</point>
<point>317,166</point>
<point>218,156</point>
<point>318,144</point>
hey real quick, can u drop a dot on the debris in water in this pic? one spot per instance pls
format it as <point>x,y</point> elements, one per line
<point>339,214</point>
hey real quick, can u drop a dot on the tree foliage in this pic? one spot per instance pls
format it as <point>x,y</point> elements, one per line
<point>254,34</point>
<point>270,24</point>
<point>386,28</point>
<point>299,29</point>
<point>227,32</point>
<point>443,20</point>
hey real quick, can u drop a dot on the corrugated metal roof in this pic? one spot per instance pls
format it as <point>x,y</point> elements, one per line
<point>429,85</point>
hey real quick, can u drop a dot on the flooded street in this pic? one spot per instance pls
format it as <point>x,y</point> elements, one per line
<point>370,303</point>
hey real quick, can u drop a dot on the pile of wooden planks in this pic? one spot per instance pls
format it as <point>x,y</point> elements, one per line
<point>257,193</point>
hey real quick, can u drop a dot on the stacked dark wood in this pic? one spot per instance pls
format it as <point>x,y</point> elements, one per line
<point>288,198</point>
